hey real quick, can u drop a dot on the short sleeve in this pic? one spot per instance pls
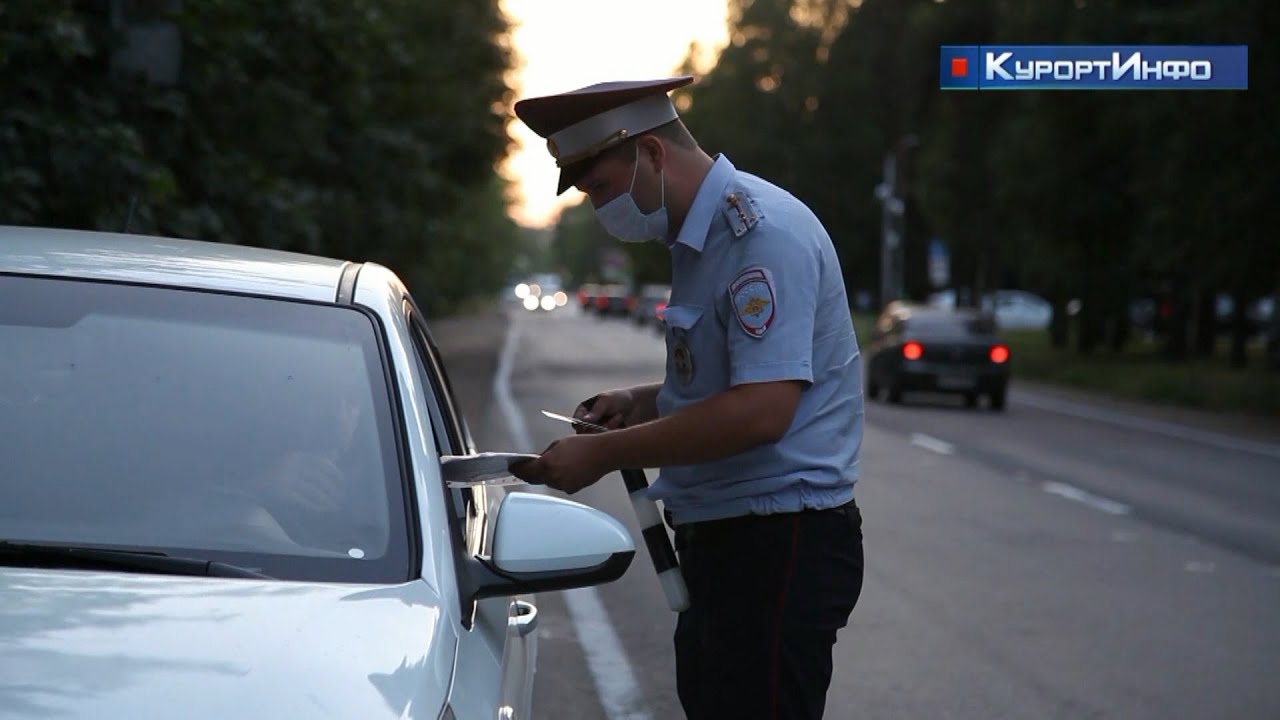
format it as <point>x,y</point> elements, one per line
<point>772,301</point>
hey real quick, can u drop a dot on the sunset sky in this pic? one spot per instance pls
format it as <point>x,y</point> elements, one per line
<point>566,44</point>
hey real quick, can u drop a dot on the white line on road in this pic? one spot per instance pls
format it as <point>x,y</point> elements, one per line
<point>927,442</point>
<point>614,679</point>
<point>516,426</point>
<point>1168,429</point>
<point>1096,502</point>
<point>615,682</point>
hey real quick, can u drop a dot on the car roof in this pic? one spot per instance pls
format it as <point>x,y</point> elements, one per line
<point>167,261</point>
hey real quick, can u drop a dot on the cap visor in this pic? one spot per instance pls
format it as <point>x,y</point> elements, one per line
<point>571,175</point>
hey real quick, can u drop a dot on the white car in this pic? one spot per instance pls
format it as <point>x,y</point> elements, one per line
<point>234,484</point>
<point>1013,309</point>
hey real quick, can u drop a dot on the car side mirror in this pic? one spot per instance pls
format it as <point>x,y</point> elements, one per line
<point>543,543</point>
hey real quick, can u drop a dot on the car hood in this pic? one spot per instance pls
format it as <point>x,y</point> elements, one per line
<point>95,644</point>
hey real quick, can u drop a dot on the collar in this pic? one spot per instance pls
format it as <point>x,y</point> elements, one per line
<point>693,233</point>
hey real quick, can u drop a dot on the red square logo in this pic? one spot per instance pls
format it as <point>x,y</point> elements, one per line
<point>959,67</point>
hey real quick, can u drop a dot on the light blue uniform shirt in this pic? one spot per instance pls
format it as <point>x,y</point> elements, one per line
<point>757,296</point>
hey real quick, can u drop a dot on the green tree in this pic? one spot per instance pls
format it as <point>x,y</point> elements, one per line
<point>367,129</point>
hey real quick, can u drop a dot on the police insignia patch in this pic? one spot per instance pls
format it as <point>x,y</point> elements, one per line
<point>751,293</point>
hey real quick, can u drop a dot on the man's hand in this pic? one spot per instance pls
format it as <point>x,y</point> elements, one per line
<point>612,409</point>
<point>568,465</point>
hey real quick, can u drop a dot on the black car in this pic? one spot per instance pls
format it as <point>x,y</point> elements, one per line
<point>933,350</point>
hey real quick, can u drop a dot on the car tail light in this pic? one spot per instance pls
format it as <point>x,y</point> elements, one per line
<point>582,297</point>
<point>912,351</point>
<point>659,309</point>
<point>602,302</point>
<point>999,354</point>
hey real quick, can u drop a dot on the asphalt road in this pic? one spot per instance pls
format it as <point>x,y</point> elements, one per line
<point>1063,559</point>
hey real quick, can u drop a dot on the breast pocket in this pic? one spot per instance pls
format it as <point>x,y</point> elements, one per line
<point>685,347</point>
<point>681,318</point>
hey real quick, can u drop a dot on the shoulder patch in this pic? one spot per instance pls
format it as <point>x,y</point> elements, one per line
<point>741,211</point>
<point>754,301</point>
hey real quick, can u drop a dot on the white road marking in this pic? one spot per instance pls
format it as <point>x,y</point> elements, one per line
<point>611,672</point>
<point>1096,502</point>
<point>932,443</point>
<point>614,679</point>
<point>1199,566</point>
<point>516,426</point>
<point>1158,427</point>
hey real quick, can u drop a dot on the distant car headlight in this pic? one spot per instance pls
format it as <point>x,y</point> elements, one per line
<point>530,302</point>
<point>561,298</point>
<point>535,289</point>
<point>548,302</point>
<point>522,291</point>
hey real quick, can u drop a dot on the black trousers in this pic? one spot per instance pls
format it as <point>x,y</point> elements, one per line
<point>767,595</point>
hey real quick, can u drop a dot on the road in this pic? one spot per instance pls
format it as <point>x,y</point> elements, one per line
<point>1059,560</point>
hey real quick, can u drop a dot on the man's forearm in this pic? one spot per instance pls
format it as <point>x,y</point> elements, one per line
<point>721,426</point>
<point>645,399</point>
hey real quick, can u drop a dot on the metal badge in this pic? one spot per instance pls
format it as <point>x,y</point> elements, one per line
<point>683,360</point>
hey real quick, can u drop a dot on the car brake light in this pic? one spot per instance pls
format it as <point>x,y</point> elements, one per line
<point>659,309</point>
<point>999,354</point>
<point>602,302</point>
<point>912,351</point>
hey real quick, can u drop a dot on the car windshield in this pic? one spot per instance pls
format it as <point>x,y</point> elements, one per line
<point>252,431</point>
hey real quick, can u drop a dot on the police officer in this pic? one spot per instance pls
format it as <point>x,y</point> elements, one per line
<point>757,425</point>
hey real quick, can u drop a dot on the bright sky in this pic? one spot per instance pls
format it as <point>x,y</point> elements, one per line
<point>567,44</point>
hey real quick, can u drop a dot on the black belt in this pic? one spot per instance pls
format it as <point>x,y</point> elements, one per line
<point>687,533</point>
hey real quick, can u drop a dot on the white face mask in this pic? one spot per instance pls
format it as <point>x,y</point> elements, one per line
<point>623,219</point>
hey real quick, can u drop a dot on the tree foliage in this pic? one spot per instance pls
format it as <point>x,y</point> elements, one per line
<point>1101,197</point>
<point>367,129</point>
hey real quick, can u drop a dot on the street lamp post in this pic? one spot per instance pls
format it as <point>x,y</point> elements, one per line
<point>893,223</point>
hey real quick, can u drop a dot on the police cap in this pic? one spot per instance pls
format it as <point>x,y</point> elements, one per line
<point>581,124</point>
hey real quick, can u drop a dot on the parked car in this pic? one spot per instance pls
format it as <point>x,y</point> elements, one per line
<point>650,301</point>
<point>919,348</point>
<point>587,295</point>
<point>1019,310</point>
<point>1012,309</point>
<point>614,300</point>
<point>223,480</point>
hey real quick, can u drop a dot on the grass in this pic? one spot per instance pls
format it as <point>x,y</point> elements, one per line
<point>1140,372</point>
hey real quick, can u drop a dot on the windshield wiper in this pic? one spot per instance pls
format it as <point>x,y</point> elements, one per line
<point>147,561</point>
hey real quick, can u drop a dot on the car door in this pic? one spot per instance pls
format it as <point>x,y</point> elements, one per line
<point>497,647</point>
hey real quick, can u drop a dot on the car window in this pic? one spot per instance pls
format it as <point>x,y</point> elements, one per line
<point>452,438</point>
<point>445,414</point>
<point>248,430</point>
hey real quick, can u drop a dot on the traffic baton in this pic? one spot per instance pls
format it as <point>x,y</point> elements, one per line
<point>652,528</point>
<point>656,540</point>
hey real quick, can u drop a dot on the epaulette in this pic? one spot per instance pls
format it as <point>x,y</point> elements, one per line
<point>741,211</point>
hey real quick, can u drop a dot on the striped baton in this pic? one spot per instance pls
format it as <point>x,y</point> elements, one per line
<point>656,540</point>
<point>651,526</point>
